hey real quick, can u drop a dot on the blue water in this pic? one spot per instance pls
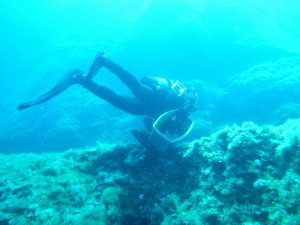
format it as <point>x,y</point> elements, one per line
<point>210,41</point>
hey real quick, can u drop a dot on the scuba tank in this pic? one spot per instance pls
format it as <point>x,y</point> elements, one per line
<point>156,82</point>
<point>162,83</point>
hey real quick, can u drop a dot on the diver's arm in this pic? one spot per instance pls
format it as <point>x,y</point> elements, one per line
<point>189,104</point>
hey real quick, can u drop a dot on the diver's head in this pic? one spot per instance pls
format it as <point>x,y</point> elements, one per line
<point>188,93</point>
<point>191,95</point>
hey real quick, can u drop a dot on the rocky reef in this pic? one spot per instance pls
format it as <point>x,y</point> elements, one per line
<point>267,92</point>
<point>244,174</point>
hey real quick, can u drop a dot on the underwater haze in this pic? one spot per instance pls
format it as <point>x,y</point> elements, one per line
<point>202,41</point>
<point>73,159</point>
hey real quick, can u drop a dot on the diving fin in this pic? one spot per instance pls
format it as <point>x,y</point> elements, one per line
<point>142,136</point>
<point>70,78</point>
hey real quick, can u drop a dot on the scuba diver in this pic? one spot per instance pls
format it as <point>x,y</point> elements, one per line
<point>152,96</point>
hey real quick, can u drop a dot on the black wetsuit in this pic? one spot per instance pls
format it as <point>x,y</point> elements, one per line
<point>146,100</point>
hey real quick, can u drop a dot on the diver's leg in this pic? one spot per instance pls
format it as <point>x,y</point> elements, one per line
<point>134,85</point>
<point>98,62</point>
<point>128,104</point>
<point>70,78</point>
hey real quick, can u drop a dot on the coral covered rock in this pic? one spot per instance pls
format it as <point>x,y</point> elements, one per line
<point>239,175</point>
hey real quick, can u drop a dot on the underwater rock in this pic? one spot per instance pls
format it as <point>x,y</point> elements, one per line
<point>258,92</point>
<point>244,174</point>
